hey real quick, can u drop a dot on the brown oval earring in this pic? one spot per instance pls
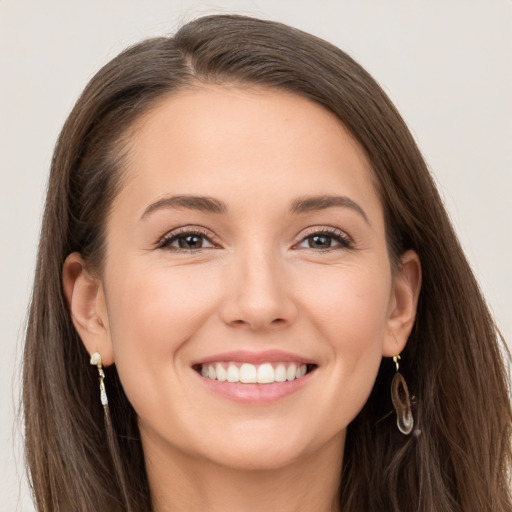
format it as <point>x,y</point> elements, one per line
<point>401,401</point>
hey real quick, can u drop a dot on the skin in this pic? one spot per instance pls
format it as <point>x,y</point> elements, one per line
<point>258,283</point>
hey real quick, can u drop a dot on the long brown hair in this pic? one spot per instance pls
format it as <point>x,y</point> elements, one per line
<point>458,458</point>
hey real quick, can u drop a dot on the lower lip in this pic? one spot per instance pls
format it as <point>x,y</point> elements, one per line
<point>255,393</point>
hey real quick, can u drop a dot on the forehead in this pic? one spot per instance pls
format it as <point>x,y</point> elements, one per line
<point>256,142</point>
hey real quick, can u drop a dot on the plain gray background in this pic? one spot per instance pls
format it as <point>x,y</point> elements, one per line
<point>447,65</point>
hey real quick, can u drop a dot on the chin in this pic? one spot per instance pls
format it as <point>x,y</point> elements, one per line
<point>267,449</point>
<point>256,457</point>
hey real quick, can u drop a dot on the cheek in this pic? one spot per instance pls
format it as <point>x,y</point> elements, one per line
<point>350,311</point>
<point>349,304</point>
<point>156,309</point>
<point>152,314</point>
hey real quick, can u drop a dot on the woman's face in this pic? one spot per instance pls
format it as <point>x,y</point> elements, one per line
<point>247,244</point>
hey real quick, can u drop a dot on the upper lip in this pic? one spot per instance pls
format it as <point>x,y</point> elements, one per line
<point>246,356</point>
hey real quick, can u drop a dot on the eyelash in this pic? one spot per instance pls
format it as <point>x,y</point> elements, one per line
<point>337,235</point>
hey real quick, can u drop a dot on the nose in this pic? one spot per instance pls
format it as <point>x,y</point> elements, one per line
<point>258,295</point>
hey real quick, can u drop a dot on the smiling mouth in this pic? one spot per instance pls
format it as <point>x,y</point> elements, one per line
<point>247,373</point>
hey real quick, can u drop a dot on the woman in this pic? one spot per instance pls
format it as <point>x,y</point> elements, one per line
<point>243,239</point>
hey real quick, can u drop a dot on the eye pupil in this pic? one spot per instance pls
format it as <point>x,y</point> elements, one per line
<point>319,241</point>
<point>190,242</point>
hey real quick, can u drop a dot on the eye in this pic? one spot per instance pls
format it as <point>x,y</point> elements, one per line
<point>326,239</point>
<point>186,241</point>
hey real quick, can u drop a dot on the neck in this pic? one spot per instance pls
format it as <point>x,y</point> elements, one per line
<point>180,482</point>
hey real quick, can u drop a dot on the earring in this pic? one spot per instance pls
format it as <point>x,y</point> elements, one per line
<point>96,361</point>
<point>401,401</point>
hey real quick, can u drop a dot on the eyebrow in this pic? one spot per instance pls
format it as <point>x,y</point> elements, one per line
<point>200,203</point>
<point>211,205</point>
<point>313,203</point>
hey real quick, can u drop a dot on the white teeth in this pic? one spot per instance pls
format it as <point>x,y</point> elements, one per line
<point>290,372</point>
<point>233,373</point>
<point>247,373</point>
<point>222,375</point>
<point>265,374</point>
<point>301,371</point>
<point>280,373</point>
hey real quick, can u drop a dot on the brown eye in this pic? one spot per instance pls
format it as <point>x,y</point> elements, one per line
<point>190,242</point>
<point>325,240</point>
<point>319,241</point>
<point>187,241</point>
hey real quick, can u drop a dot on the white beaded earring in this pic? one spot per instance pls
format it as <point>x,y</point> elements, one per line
<point>96,361</point>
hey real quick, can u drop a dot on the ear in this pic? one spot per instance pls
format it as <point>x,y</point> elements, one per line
<point>87,305</point>
<point>403,304</point>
